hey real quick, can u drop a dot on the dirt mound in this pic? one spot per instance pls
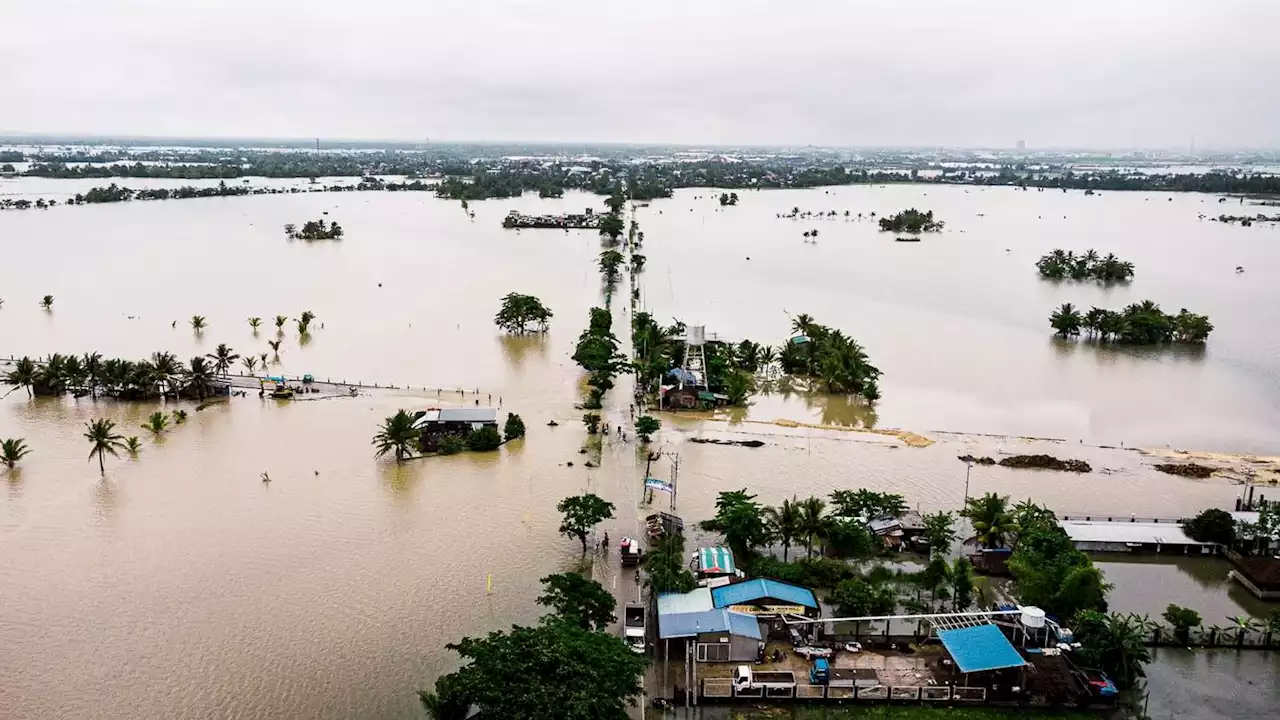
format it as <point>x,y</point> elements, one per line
<point>739,443</point>
<point>1045,462</point>
<point>1191,470</point>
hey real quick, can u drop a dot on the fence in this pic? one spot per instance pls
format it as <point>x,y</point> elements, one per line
<point>722,689</point>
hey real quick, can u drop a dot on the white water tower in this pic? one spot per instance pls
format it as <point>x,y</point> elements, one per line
<point>1033,621</point>
<point>694,354</point>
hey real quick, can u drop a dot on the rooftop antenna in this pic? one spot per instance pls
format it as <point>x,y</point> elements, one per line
<point>317,144</point>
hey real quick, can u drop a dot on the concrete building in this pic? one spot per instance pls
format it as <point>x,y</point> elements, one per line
<point>717,634</point>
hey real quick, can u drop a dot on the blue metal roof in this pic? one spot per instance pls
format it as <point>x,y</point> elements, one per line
<point>708,621</point>
<point>984,647</point>
<point>753,590</point>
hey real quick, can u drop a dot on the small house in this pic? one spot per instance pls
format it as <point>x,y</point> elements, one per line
<point>715,563</point>
<point>718,635</point>
<point>438,424</point>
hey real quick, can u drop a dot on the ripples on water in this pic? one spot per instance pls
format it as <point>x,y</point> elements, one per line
<point>182,586</point>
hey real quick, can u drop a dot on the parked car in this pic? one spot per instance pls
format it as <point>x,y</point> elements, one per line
<point>810,652</point>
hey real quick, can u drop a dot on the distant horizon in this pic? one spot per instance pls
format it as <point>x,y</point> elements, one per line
<point>101,138</point>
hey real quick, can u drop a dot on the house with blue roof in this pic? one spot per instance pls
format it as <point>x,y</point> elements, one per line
<point>766,598</point>
<point>717,634</point>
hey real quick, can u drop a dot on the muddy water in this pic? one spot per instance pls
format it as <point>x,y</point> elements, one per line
<point>181,585</point>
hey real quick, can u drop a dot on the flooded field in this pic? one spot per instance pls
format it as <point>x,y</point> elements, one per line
<point>182,586</point>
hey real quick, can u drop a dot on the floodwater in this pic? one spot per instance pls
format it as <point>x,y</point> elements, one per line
<point>182,586</point>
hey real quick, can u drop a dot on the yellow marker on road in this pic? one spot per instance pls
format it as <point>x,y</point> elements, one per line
<point>488,584</point>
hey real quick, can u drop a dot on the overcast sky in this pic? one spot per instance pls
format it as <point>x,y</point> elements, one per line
<point>1098,73</point>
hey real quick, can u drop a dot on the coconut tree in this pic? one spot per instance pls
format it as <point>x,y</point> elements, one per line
<point>198,377</point>
<point>992,523</point>
<point>179,417</point>
<point>307,317</point>
<point>802,324</point>
<point>103,439</point>
<point>262,359</point>
<point>250,363</point>
<point>784,523</point>
<point>401,433</point>
<point>12,450</point>
<point>1066,320</point>
<point>1243,625</point>
<point>92,364</point>
<point>303,327</point>
<point>198,323</point>
<point>23,374</point>
<point>222,357</point>
<point>280,321</point>
<point>133,445</point>
<point>47,302</point>
<point>275,347</point>
<point>254,322</point>
<point>813,523</point>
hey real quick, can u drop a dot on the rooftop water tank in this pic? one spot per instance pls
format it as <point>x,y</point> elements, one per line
<point>1032,617</point>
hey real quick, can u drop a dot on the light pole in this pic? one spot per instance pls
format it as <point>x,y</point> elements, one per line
<point>968,465</point>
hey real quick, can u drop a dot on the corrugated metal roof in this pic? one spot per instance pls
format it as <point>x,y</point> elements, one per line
<point>468,415</point>
<point>752,590</point>
<point>675,603</point>
<point>716,560</point>
<point>1128,532</point>
<point>980,648</point>
<point>708,621</point>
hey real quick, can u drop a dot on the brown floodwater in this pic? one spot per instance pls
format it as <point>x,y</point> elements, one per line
<point>180,585</point>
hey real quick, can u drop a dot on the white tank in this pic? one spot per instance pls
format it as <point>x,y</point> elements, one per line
<point>1032,617</point>
<point>697,335</point>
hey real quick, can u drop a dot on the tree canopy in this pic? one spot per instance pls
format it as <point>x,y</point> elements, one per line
<point>1141,323</point>
<point>518,312</point>
<point>740,519</point>
<point>1053,575</point>
<point>1212,525</point>
<point>577,599</point>
<point>831,358</point>
<point>1059,265</point>
<point>1115,644</point>
<point>581,514</point>
<point>912,221</point>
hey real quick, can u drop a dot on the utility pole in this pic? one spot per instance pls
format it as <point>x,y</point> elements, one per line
<point>968,465</point>
<point>675,473</point>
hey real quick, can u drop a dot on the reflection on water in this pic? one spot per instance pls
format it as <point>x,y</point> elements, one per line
<point>331,592</point>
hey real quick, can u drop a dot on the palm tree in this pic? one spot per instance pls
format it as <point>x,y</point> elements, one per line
<point>280,321</point>
<point>307,317</point>
<point>156,423</point>
<point>1214,632</point>
<point>250,362</point>
<point>302,327</point>
<point>179,417</point>
<point>275,346</point>
<point>132,444</point>
<point>222,357</point>
<point>1066,320</point>
<point>802,324</point>
<point>92,365</point>
<point>812,522</point>
<point>12,450</point>
<point>198,323</point>
<point>263,359</point>
<point>400,433</point>
<point>47,302</point>
<point>101,434</point>
<point>254,322</point>
<point>784,523</point>
<point>199,375</point>
<point>992,523</point>
<point>167,369</point>
<point>23,374</point>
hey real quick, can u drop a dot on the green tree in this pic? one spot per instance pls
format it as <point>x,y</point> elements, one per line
<point>989,516</point>
<point>400,434</point>
<point>133,445</point>
<point>848,538</point>
<point>610,261</point>
<point>611,227</point>
<point>1066,320</point>
<point>665,568</point>
<point>1182,620</point>
<point>741,520</point>
<point>934,575</point>
<point>103,439</point>
<point>199,375</point>
<point>447,701</point>
<point>23,374</point>
<point>961,577</point>
<point>860,597</point>
<point>12,450</point>
<point>1052,574</point>
<point>47,302</point>
<point>553,671</point>
<point>581,514</point>
<point>222,357</point>
<point>179,417</point>
<point>250,363</point>
<point>1212,525</point>
<point>519,311</point>
<point>580,600</point>
<point>1115,644</point>
<point>646,426</point>
<point>484,439</point>
<point>280,321</point>
<point>198,323</point>
<point>592,421</point>
<point>156,423</point>
<point>254,322</point>
<point>784,524</point>
<point>939,530</point>
<point>813,523</point>
<point>513,428</point>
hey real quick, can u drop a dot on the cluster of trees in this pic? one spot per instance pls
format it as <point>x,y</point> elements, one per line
<point>597,353</point>
<point>518,312</point>
<point>1109,269</point>
<point>314,230</point>
<point>1141,323</point>
<point>567,667</point>
<point>401,435</point>
<point>832,358</point>
<point>912,221</point>
<point>162,375</point>
<point>1218,526</point>
<point>731,369</point>
<point>728,199</point>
